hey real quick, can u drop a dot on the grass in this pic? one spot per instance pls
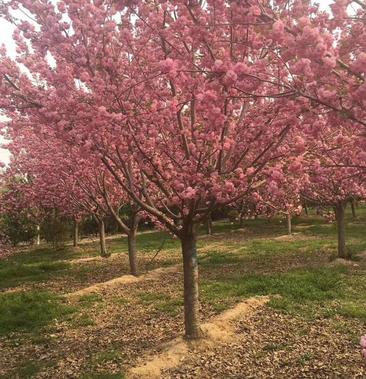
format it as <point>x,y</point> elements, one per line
<point>294,290</point>
<point>305,358</point>
<point>258,253</point>
<point>15,274</point>
<point>235,264</point>
<point>45,264</point>
<point>30,311</point>
<point>161,302</point>
<point>118,300</point>
<point>171,306</point>
<point>110,355</point>
<point>82,320</point>
<point>90,300</point>
<point>151,297</point>
<point>106,357</point>
<point>26,369</point>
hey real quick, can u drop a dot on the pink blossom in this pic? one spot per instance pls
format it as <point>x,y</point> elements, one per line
<point>360,64</point>
<point>363,342</point>
<point>255,10</point>
<point>168,66</point>
<point>278,29</point>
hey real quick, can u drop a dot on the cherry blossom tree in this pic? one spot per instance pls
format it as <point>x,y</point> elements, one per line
<point>186,103</point>
<point>334,167</point>
<point>72,181</point>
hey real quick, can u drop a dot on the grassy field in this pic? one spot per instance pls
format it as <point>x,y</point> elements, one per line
<point>310,327</point>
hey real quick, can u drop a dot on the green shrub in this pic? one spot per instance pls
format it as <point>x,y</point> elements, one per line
<point>17,229</point>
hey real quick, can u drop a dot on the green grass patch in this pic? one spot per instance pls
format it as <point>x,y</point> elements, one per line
<point>219,258</point>
<point>162,302</point>
<point>171,306</point>
<point>305,358</point>
<point>119,300</point>
<point>28,369</point>
<point>100,360</point>
<point>296,288</point>
<point>15,274</point>
<point>30,311</point>
<point>110,355</point>
<point>151,297</point>
<point>89,300</point>
<point>82,320</point>
<point>353,310</point>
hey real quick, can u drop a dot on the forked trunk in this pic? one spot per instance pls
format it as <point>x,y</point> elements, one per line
<point>341,230</point>
<point>289,224</point>
<point>131,237</point>
<point>191,301</point>
<point>103,248</point>
<point>76,233</point>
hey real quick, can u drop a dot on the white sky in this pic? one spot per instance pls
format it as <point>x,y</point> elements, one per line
<point>6,31</point>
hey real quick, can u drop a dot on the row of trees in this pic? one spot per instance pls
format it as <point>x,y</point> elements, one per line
<point>54,228</point>
<point>176,108</point>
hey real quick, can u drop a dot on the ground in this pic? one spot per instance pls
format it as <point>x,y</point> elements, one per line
<point>310,328</point>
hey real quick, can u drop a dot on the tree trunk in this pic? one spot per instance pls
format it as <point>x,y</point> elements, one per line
<point>209,224</point>
<point>131,231</point>
<point>191,301</point>
<point>241,219</point>
<point>76,233</point>
<point>289,224</point>
<point>38,237</point>
<point>339,212</point>
<point>103,248</point>
<point>353,208</point>
<point>306,209</point>
<point>132,257</point>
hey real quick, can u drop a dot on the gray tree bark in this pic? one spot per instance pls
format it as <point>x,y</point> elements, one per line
<point>76,233</point>
<point>131,236</point>
<point>103,247</point>
<point>191,298</point>
<point>38,237</point>
<point>289,224</point>
<point>341,230</point>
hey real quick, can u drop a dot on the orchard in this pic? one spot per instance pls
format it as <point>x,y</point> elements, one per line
<point>134,126</point>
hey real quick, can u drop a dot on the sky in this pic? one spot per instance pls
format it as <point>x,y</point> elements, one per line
<point>6,30</point>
